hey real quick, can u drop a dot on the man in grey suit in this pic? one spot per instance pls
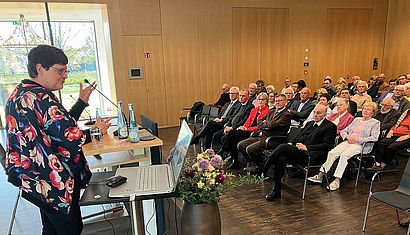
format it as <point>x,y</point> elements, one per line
<point>400,102</point>
<point>301,109</point>
<point>228,111</point>
<point>389,93</point>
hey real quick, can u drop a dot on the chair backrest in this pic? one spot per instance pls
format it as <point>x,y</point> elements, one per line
<point>293,133</point>
<point>2,157</point>
<point>405,179</point>
<point>205,110</point>
<point>149,124</point>
<point>213,113</point>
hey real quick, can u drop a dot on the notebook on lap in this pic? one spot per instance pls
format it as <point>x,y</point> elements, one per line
<point>155,179</point>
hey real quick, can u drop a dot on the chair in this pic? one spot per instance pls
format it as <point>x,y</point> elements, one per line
<point>398,199</point>
<point>198,119</point>
<point>13,215</point>
<point>213,114</point>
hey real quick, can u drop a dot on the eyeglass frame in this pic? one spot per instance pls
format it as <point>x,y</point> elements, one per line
<point>61,72</point>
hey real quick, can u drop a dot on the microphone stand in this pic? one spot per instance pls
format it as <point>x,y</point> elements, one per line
<point>86,81</point>
<point>90,122</point>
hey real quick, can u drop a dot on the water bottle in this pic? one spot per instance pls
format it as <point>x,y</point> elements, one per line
<point>122,123</point>
<point>134,132</point>
<point>97,114</point>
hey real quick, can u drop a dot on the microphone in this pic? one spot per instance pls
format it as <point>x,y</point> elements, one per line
<point>90,122</point>
<point>86,81</point>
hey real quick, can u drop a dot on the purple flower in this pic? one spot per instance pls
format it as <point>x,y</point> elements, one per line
<point>203,164</point>
<point>216,162</point>
<point>220,178</point>
<point>210,152</point>
<point>189,173</point>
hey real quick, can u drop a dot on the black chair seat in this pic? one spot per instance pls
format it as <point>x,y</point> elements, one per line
<point>394,199</point>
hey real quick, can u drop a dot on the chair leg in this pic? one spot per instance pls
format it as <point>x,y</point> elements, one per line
<point>304,185</point>
<point>358,171</point>
<point>408,230</point>
<point>367,211</point>
<point>13,215</point>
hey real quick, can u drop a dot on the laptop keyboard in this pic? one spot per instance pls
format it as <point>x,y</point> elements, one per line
<point>147,178</point>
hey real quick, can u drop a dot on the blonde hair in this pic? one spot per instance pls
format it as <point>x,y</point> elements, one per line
<point>263,95</point>
<point>270,87</point>
<point>374,106</point>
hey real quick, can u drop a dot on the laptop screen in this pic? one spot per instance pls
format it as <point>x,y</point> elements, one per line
<point>180,150</point>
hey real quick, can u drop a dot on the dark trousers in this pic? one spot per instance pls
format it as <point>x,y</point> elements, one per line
<point>231,141</point>
<point>387,148</point>
<point>282,155</point>
<point>218,136</point>
<point>251,149</point>
<point>208,131</point>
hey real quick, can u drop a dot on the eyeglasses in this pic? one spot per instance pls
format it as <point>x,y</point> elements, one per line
<point>61,72</point>
<point>261,99</point>
<point>233,93</point>
<point>288,93</point>
<point>386,105</point>
<point>399,90</point>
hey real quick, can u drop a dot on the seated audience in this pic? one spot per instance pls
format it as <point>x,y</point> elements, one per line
<point>383,86</point>
<point>238,120</point>
<point>260,86</point>
<point>360,131</point>
<point>289,97</point>
<point>314,140</point>
<point>388,93</point>
<point>297,87</point>
<point>342,82</point>
<point>271,100</point>
<point>361,97</point>
<point>387,116</point>
<point>342,118</point>
<point>407,91</point>
<point>327,84</point>
<point>323,100</point>
<point>400,103</point>
<point>352,85</point>
<point>275,123</point>
<point>396,139</point>
<point>252,92</point>
<point>318,93</point>
<point>301,109</point>
<point>224,98</point>
<point>335,98</point>
<point>233,137</point>
<point>228,111</point>
<point>373,88</point>
<point>345,94</point>
<point>270,89</point>
<point>403,79</point>
<point>287,85</point>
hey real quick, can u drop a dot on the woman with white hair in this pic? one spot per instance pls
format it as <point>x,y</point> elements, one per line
<point>361,130</point>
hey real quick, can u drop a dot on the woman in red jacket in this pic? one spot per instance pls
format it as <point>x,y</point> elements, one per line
<point>243,132</point>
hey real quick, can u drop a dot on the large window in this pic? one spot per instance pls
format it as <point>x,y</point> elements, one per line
<point>80,30</point>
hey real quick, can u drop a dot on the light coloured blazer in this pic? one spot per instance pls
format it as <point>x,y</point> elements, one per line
<point>369,132</point>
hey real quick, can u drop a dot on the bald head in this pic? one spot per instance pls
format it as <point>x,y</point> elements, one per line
<point>225,88</point>
<point>319,113</point>
<point>387,105</point>
<point>305,94</point>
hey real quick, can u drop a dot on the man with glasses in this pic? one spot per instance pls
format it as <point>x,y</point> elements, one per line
<point>387,115</point>
<point>253,88</point>
<point>301,109</point>
<point>289,97</point>
<point>287,85</point>
<point>400,102</point>
<point>228,111</point>
<point>361,97</point>
<point>345,93</point>
<point>327,84</point>
<point>389,93</point>
<point>275,123</point>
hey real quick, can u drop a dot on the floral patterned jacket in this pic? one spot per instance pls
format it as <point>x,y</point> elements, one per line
<point>44,155</point>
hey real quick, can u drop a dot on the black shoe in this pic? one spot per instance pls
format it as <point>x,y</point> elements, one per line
<point>273,194</point>
<point>195,140</point>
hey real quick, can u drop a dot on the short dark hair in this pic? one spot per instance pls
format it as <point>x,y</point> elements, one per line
<point>345,89</point>
<point>45,55</point>
<point>302,84</point>
<point>260,82</point>
<point>393,80</point>
<point>328,79</point>
<point>327,96</point>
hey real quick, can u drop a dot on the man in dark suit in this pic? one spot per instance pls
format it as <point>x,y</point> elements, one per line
<point>314,141</point>
<point>228,111</point>
<point>301,109</point>
<point>239,119</point>
<point>389,93</point>
<point>275,123</point>
<point>289,97</point>
<point>224,98</point>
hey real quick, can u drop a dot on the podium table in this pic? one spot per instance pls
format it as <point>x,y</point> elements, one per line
<point>109,156</point>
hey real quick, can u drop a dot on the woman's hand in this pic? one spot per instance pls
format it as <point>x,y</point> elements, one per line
<point>86,92</point>
<point>351,140</point>
<point>390,134</point>
<point>103,125</point>
<point>242,128</point>
<point>404,137</point>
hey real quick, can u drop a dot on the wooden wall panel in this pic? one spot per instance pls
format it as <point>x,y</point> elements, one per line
<point>397,46</point>
<point>155,80</point>
<point>215,48</point>
<point>274,45</point>
<point>136,89</point>
<point>140,17</point>
<point>246,42</point>
<point>181,55</point>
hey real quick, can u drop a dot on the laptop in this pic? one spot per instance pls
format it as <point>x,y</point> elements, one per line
<point>155,179</point>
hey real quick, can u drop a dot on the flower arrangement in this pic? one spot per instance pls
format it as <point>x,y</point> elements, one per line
<point>203,181</point>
